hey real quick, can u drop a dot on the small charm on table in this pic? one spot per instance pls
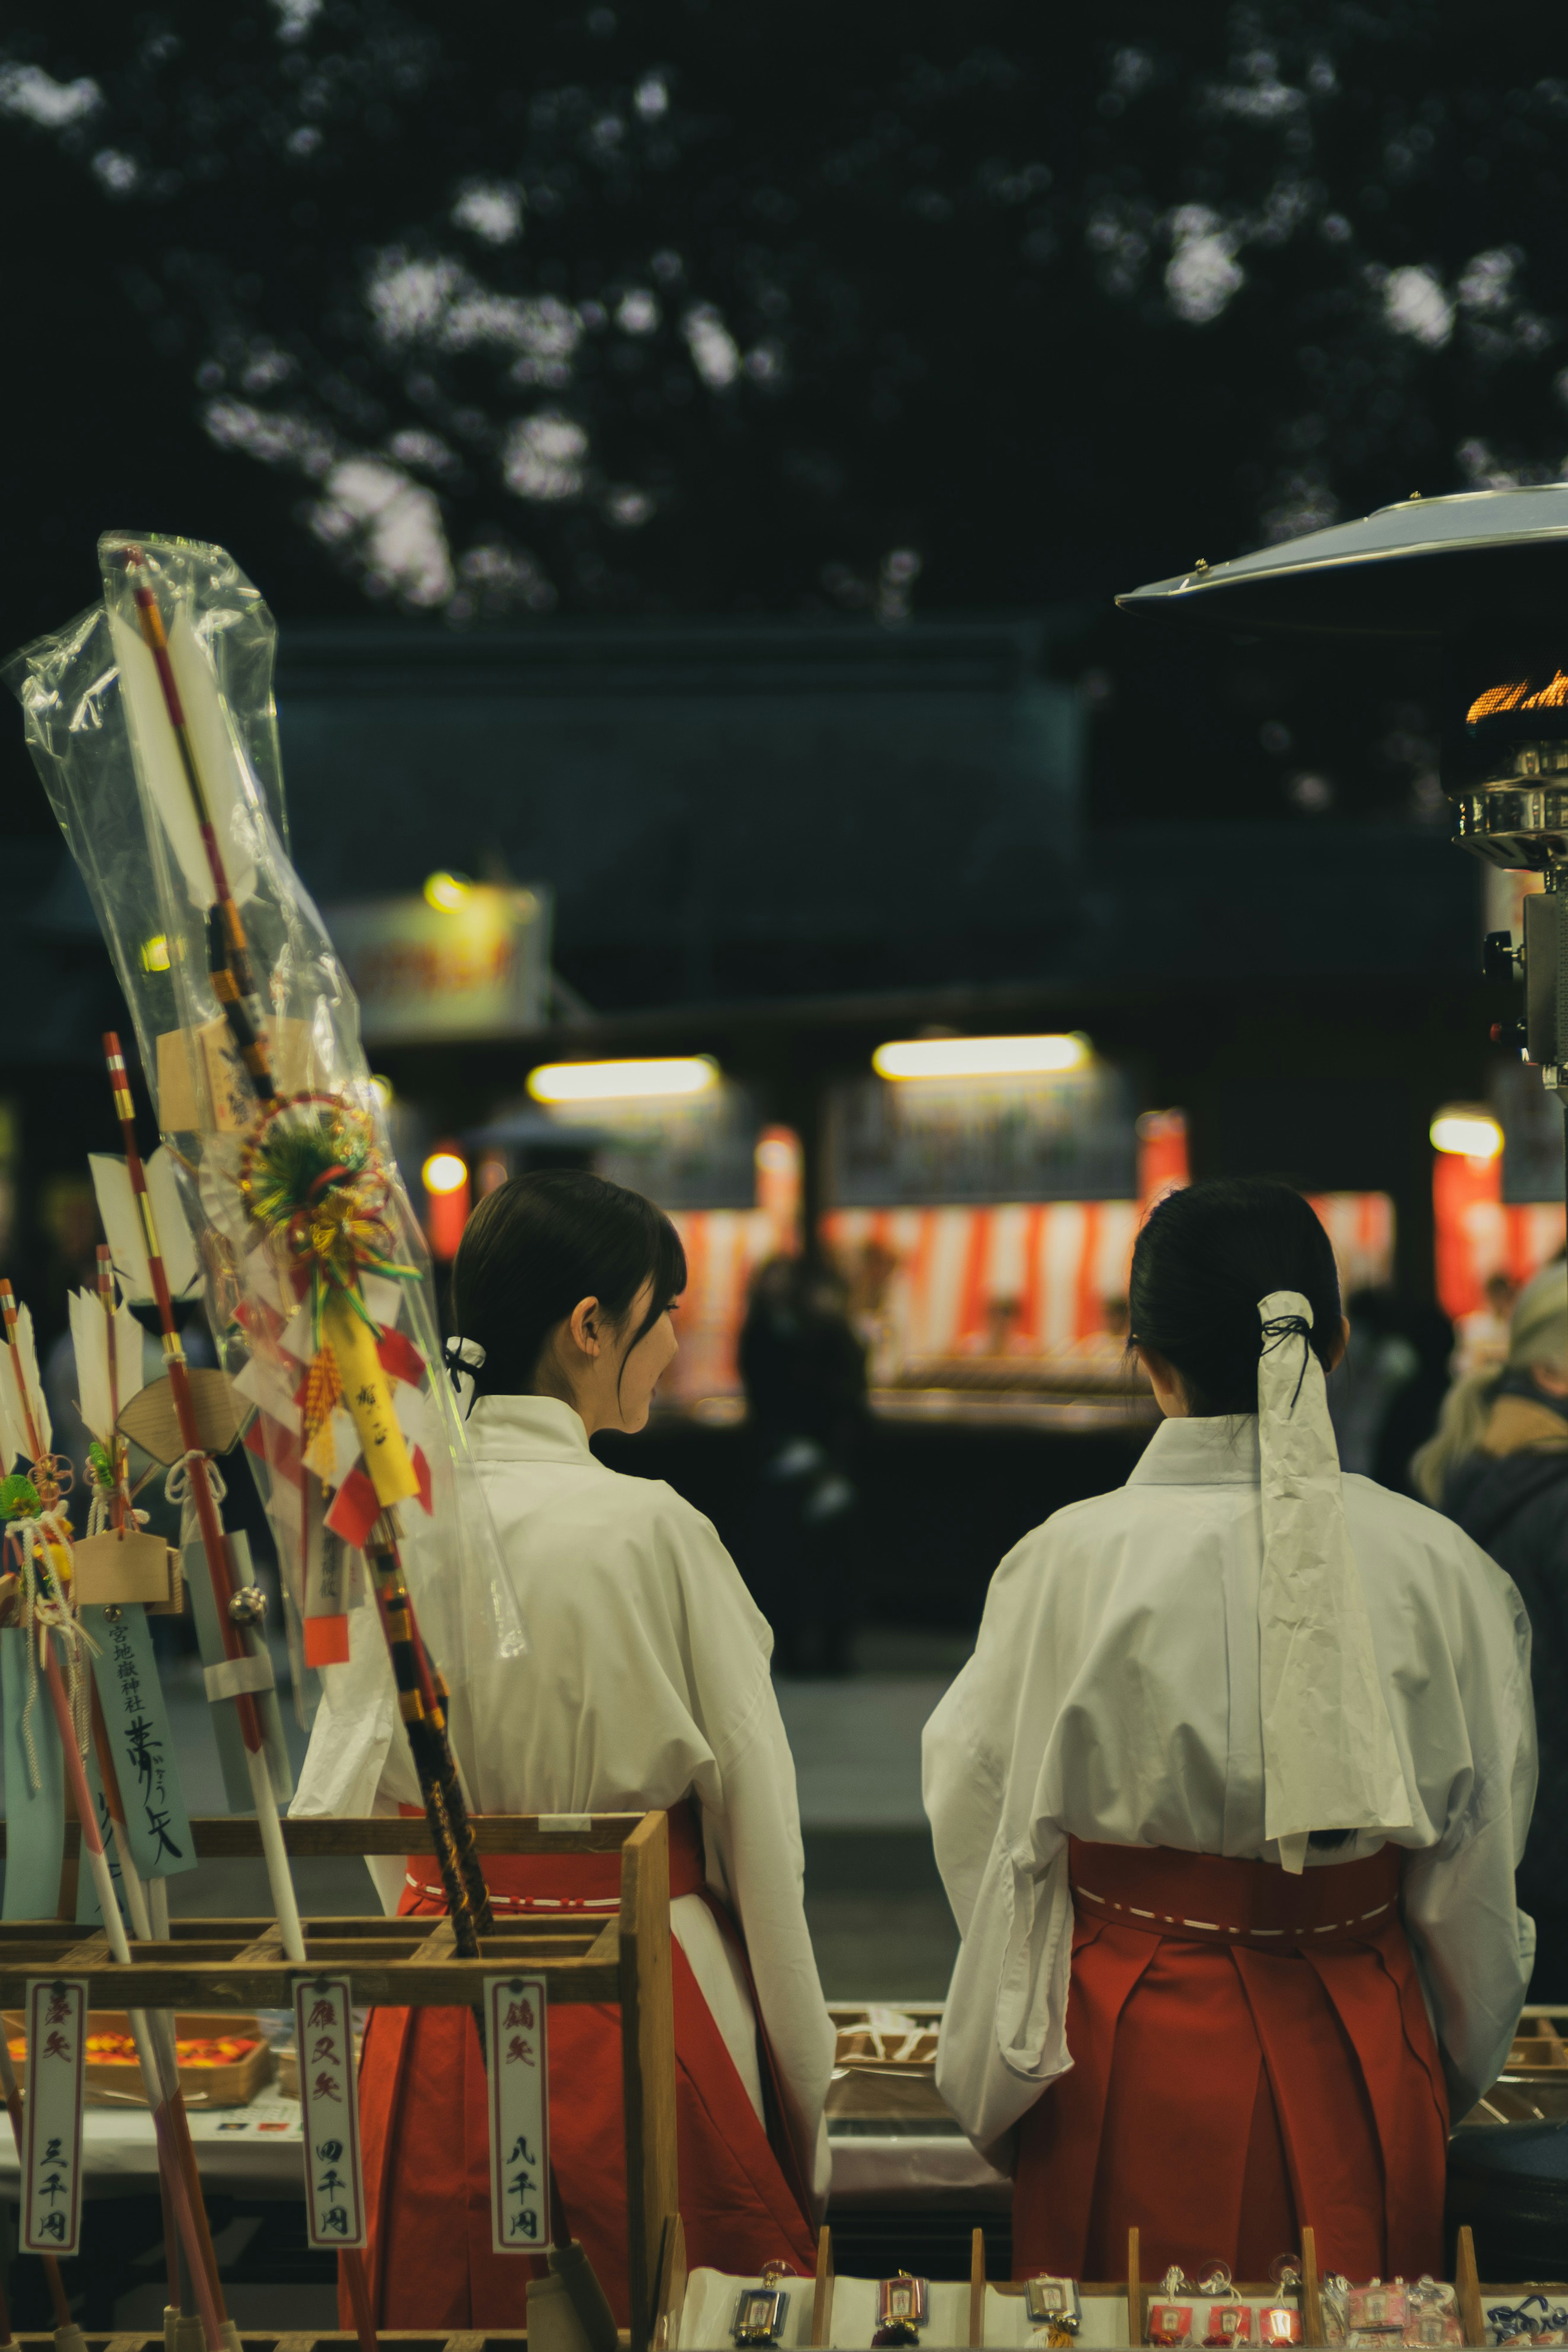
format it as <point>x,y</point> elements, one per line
<point>903,2309</point>
<point>1170,2320</point>
<point>1054,2308</point>
<point>761,2312</point>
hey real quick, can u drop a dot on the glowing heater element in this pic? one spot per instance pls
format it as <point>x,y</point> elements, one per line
<point>446,892</point>
<point>1474,1134</point>
<point>443,1171</point>
<point>575,1082</point>
<point>980,1057</point>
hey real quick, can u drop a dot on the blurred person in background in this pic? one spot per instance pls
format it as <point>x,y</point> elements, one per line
<point>803,1366</point>
<point>1001,1334</point>
<point>1482,1337</point>
<point>873,1307</point>
<point>1109,1344</point>
<point>1499,1466</point>
<point>1386,1391</point>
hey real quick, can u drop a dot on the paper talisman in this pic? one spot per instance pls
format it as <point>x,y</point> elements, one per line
<point>126,1673</point>
<point>51,2140</point>
<point>330,2112</point>
<point>517,2050</point>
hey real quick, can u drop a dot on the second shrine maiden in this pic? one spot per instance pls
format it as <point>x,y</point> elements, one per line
<point>646,1685</point>
<point>1228,1803</point>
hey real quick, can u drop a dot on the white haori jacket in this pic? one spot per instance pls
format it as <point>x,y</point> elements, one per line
<point>1114,1696</point>
<point>646,1679</point>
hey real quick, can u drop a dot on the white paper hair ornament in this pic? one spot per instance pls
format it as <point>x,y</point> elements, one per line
<point>1330,1762</point>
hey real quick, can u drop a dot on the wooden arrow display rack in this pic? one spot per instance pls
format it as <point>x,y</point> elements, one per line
<point>621,1957</point>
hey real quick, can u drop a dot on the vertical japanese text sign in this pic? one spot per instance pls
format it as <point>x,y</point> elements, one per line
<point>330,2112</point>
<point>519,2114</point>
<point>51,2143</point>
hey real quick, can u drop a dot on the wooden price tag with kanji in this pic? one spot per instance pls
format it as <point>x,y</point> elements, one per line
<point>51,2142</point>
<point>519,2114</point>
<point>330,2112</point>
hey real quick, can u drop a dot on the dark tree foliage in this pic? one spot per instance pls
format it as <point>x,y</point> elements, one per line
<point>670,308</point>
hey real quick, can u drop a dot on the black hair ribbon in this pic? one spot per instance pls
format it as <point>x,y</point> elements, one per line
<point>462,1356</point>
<point>1286,1327</point>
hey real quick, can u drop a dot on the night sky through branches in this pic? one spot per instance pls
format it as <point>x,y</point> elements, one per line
<point>665,309</point>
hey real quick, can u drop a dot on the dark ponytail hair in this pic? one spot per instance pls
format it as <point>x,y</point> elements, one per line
<point>1205,1258</point>
<point>537,1245</point>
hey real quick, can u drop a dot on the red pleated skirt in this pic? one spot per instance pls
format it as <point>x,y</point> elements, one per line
<point>1250,2052</point>
<point>425,2131</point>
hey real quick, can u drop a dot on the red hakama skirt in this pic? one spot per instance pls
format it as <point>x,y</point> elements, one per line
<point>426,2134</point>
<point>1250,2052</point>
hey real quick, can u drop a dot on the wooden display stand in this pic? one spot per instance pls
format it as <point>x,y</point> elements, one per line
<point>1471,2297</point>
<point>621,1957</point>
<point>1134,2294</point>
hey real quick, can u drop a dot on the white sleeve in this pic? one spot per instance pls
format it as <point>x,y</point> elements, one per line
<point>1004,2029</point>
<point>962,1793</point>
<point>1474,1948</point>
<point>757,1843</point>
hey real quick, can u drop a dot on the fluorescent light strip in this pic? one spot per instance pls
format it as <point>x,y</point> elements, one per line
<point>980,1057</point>
<point>575,1082</point>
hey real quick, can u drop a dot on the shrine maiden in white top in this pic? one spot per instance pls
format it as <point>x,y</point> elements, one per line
<point>646,1683</point>
<point>1158,1680</point>
<point>647,1678</point>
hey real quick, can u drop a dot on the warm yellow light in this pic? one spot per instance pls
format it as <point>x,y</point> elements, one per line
<point>444,1172</point>
<point>446,892</point>
<point>561,1082</point>
<point>382,1091</point>
<point>155,954</point>
<point>980,1057</point>
<point>1474,1134</point>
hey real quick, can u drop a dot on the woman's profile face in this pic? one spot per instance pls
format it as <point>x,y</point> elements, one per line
<point>639,1369</point>
<point>604,1370</point>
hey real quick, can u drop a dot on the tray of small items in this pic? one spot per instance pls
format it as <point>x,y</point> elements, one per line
<point>223,2060</point>
<point>884,2067</point>
<point>1528,2316</point>
<point>1213,2310</point>
<point>1539,2052</point>
<point>1382,2313</point>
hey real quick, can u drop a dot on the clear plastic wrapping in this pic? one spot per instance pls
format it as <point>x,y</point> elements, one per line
<point>151,721</point>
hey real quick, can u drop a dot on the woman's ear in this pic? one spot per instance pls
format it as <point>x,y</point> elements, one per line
<point>583,1324</point>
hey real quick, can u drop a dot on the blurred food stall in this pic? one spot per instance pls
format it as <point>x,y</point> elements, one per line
<point>986,1196</point>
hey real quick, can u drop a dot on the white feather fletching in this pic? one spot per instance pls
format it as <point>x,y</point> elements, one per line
<point>13,1428</point>
<point>158,758</point>
<point>26,1354</point>
<point>90,1334</point>
<point>122,1222</point>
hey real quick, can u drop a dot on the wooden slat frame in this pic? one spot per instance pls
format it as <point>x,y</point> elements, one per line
<point>647,2060</point>
<point>617,1958</point>
<point>236,1836</point>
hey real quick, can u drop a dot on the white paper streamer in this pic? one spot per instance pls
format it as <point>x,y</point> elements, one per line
<point>1330,1762</point>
